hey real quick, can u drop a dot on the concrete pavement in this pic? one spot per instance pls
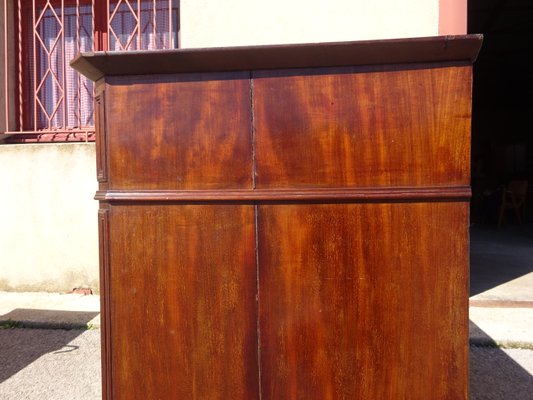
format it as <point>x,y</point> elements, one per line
<point>43,364</point>
<point>50,310</point>
<point>501,276</point>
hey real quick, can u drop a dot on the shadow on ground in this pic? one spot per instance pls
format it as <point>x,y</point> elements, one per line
<point>499,255</point>
<point>49,319</point>
<point>494,375</point>
<point>20,350</point>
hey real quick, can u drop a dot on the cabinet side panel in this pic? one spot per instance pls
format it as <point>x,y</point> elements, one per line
<point>101,137</point>
<point>363,127</point>
<point>183,301</point>
<point>185,131</point>
<point>364,301</point>
<point>103,237</point>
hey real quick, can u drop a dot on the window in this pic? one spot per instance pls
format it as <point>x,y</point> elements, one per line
<point>52,102</point>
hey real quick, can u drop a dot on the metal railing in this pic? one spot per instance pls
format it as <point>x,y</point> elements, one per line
<point>46,100</point>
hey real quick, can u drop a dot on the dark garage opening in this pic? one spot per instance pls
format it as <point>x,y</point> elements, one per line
<point>502,134</point>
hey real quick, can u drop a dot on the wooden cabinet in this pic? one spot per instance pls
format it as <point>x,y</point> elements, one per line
<point>285,222</point>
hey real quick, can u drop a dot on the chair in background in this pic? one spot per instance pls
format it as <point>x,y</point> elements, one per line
<point>514,198</point>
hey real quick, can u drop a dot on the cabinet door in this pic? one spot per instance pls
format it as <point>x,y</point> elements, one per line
<point>183,308</point>
<point>362,127</point>
<point>179,131</point>
<point>363,301</point>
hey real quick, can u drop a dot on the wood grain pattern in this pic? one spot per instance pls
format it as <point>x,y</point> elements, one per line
<point>105,299</point>
<point>183,302</point>
<point>285,234</point>
<point>363,301</point>
<point>101,142</point>
<point>283,195</point>
<point>190,131</point>
<point>363,127</point>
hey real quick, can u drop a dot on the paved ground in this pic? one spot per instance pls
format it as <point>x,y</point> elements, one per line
<point>44,364</point>
<point>501,374</point>
<point>58,364</point>
<point>501,276</point>
<point>50,310</point>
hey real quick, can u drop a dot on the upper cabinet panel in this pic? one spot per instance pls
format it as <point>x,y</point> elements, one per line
<point>182,131</point>
<point>363,126</point>
<point>372,114</point>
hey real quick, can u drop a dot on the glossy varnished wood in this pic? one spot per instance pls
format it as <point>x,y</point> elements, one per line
<point>105,299</point>
<point>188,131</point>
<point>183,302</point>
<point>297,229</point>
<point>291,194</point>
<point>96,65</point>
<point>101,142</point>
<point>363,301</point>
<point>363,127</point>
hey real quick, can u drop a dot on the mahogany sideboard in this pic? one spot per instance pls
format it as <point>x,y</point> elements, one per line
<point>285,222</point>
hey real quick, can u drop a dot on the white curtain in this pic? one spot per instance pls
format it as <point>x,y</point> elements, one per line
<point>64,99</point>
<point>153,26</point>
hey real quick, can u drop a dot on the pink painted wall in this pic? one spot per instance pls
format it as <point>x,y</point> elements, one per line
<point>452,17</point>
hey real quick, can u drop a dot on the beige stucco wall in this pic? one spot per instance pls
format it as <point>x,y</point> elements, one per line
<point>2,71</point>
<point>48,218</point>
<point>207,23</point>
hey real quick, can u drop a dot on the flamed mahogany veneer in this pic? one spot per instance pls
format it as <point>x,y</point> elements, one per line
<point>285,222</point>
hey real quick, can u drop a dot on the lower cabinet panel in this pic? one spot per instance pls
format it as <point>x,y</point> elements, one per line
<point>183,302</point>
<point>363,301</point>
<point>344,301</point>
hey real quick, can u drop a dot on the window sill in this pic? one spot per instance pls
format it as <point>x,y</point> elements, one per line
<point>47,137</point>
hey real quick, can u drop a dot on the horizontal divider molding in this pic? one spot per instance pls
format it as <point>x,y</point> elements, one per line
<point>332,194</point>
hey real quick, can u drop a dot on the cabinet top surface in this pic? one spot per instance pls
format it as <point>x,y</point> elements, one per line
<point>463,48</point>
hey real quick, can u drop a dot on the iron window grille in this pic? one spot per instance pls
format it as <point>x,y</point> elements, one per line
<point>45,99</point>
